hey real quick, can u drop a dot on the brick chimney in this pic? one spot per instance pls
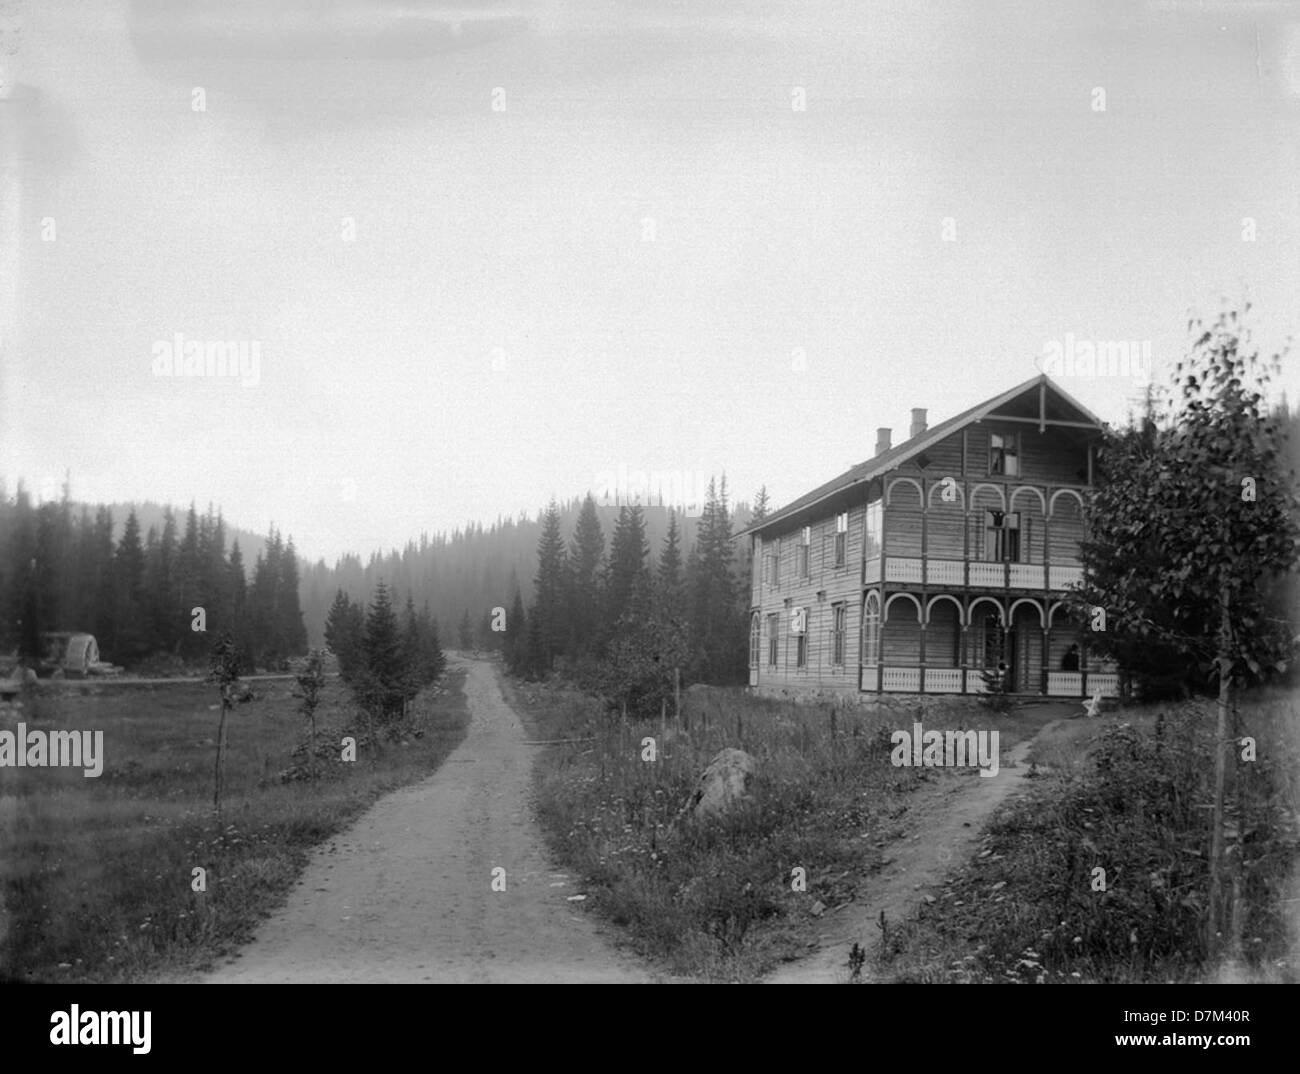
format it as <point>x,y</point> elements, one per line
<point>918,421</point>
<point>882,441</point>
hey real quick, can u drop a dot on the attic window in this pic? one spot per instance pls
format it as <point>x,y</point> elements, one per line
<point>1004,454</point>
<point>923,460</point>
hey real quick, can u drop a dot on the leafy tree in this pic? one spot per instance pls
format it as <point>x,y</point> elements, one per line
<point>310,683</point>
<point>223,670</point>
<point>1207,491</point>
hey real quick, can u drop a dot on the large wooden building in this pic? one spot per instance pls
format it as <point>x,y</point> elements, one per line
<point>938,559</point>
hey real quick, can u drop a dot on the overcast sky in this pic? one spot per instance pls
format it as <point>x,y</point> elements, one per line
<point>645,256</point>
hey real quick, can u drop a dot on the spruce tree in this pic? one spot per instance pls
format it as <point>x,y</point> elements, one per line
<point>717,628</point>
<point>587,555</point>
<point>343,633</point>
<point>130,620</point>
<point>292,632</point>
<point>514,646</point>
<point>550,591</point>
<point>191,643</point>
<point>383,680</point>
<point>627,565</point>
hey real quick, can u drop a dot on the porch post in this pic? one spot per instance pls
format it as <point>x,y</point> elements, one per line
<point>1047,650</point>
<point>921,675</point>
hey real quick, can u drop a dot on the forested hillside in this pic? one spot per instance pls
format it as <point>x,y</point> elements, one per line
<point>132,573</point>
<point>472,570</point>
<point>164,589</point>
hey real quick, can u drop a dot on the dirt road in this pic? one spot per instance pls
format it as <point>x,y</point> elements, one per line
<point>946,822</point>
<point>406,894</point>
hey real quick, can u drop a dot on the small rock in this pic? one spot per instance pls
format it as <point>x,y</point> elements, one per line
<point>817,909</point>
<point>929,898</point>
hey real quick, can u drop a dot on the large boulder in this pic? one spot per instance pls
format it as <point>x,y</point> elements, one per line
<point>724,784</point>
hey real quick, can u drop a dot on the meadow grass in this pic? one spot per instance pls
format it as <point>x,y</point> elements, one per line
<point>95,873</point>
<point>715,899</point>
<point>1130,793</point>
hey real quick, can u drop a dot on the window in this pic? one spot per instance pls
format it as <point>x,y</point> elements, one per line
<point>774,561</point>
<point>870,630</point>
<point>1004,454</point>
<point>804,546</point>
<point>837,634</point>
<point>799,629</point>
<point>773,636</point>
<point>841,538</point>
<point>755,639</point>
<point>1002,536</point>
<point>871,531</point>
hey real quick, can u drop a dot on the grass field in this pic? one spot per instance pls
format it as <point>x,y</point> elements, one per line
<point>1130,793</point>
<point>96,873</point>
<point>715,900</point>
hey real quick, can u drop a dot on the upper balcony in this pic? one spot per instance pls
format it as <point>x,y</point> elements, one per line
<point>970,573</point>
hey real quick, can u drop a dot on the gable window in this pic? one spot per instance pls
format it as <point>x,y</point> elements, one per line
<point>755,640</point>
<point>837,634</point>
<point>841,539</point>
<point>802,552</point>
<point>1004,454</point>
<point>871,530</point>
<point>773,637</point>
<point>1002,536</point>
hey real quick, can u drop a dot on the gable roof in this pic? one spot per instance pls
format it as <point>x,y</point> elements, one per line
<point>901,453</point>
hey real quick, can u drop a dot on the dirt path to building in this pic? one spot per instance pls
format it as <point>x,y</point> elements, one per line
<point>406,893</point>
<point>945,823</point>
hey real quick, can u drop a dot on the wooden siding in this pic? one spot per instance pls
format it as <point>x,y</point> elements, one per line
<point>835,585</point>
<point>947,530</point>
